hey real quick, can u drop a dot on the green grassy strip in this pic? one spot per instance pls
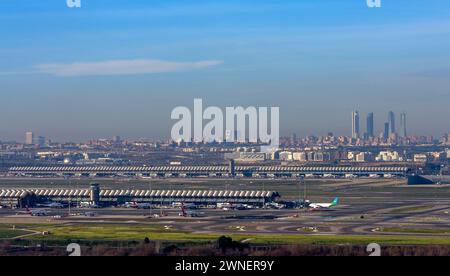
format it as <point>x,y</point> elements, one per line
<point>416,230</point>
<point>411,209</point>
<point>6,232</point>
<point>139,232</point>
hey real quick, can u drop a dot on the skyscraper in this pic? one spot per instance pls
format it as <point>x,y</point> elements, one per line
<point>370,125</point>
<point>391,120</point>
<point>403,132</point>
<point>355,125</point>
<point>293,139</point>
<point>29,138</point>
<point>386,131</point>
<point>40,141</point>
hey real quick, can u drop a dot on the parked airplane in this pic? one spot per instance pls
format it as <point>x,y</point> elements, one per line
<point>52,205</point>
<point>324,205</point>
<point>275,205</point>
<point>185,213</point>
<point>90,214</point>
<point>87,204</point>
<point>225,205</point>
<point>186,205</point>
<point>34,213</point>
<point>138,205</point>
<point>39,213</point>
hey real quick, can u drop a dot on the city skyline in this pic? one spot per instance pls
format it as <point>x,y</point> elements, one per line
<point>388,130</point>
<point>384,128</point>
<point>120,68</point>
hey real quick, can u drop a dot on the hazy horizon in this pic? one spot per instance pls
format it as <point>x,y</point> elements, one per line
<point>120,67</point>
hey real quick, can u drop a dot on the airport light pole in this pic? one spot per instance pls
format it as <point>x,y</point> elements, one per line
<point>302,182</point>
<point>151,203</point>
<point>160,207</point>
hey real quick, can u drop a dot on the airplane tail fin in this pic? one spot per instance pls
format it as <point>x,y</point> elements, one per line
<point>335,201</point>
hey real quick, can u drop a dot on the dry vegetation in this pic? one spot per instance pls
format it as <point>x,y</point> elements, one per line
<point>227,249</point>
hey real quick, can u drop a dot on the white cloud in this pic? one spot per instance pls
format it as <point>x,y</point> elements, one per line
<point>122,67</point>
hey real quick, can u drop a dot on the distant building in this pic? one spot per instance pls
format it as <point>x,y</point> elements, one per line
<point>420,158</point>
<point>117,139</point>
<point>391,120</point>
<point>29,138</point>
<point>322,157</point>
<point>300,156</point>
<point>351,155</point>
<point>359,156</point>
<point>293,139</point>
<point>363,157</point>
<point>355,125</point>
<point>388,156</point>
<point>386,131</point>
<point>274,155</point>
<point>40,141</point>
<point>438,156</point>
<point>403,132</point>
<point>286,156</point>
<point>246,156</point>
<point>370,125</point>
<point>393,138</point>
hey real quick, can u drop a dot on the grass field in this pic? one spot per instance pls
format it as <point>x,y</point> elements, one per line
<point>417,230</point>
<point>6,232</point>
<point>112,232</point>
<point>411,209</point>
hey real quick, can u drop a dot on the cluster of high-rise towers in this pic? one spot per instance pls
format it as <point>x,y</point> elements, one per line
<point>389,127</point>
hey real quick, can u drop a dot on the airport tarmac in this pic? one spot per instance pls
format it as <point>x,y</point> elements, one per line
<point>343,220</point>
<point>365,209</point>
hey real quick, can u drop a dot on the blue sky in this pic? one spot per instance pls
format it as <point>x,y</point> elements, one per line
<point>120,67</point>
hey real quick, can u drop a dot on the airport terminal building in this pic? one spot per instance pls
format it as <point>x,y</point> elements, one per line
<point>209,171</point>
<point>29,197</point>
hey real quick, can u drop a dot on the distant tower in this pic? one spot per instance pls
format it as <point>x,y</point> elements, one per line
<point>40,141</point>
<point>117,139</point>
<point>391,120</point>
<point>95,193</point>
<point>370,125</point>
<point>29,138</point>
<point>403,131</point>
<point>355,124</point>
<point>386,131</point>
<point>232,167</point>
<point>293,139</point>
